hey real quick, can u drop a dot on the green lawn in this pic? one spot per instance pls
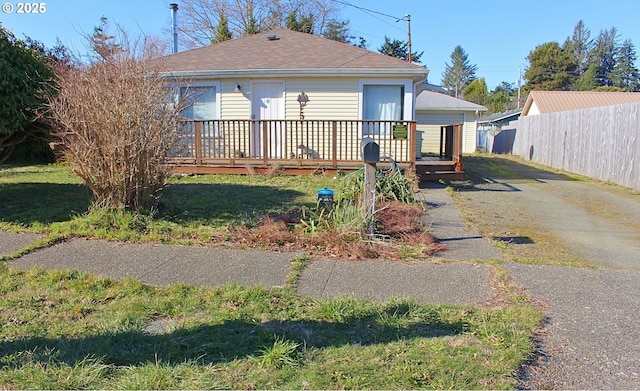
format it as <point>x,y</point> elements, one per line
<point>51,200</point>
<point>72,330</point>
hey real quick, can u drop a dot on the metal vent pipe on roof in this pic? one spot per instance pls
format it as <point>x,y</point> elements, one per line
<point>174,26</point>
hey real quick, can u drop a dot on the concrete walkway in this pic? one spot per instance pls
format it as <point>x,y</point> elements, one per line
<point>592,315</point>
<point>450,283</point>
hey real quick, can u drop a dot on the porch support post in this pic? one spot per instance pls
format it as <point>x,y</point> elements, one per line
<point>442,128</point>
<point>457,147</point>
<point>413,134</point>
<point>198,139</point>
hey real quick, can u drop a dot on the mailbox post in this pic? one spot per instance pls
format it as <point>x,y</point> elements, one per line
<point>370,151</point>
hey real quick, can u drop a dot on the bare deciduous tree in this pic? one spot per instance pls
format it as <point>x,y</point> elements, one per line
<point>117,121</point>
<point>200,18</point>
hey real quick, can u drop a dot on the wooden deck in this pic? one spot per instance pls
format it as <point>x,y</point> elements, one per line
<point>305,147</point>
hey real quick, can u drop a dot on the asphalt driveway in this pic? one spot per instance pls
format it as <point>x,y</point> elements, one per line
<point>592,331</point>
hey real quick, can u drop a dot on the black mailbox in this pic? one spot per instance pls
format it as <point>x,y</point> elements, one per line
<point>370,150</point>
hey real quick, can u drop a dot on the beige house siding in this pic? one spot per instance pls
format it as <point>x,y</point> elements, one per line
<point>429,123</point>
<point>469,133</point>
<point>235,105</point>
<point>335,99</point>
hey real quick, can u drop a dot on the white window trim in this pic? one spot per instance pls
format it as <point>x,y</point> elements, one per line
<point>408,95</point>
<point>205,83</point>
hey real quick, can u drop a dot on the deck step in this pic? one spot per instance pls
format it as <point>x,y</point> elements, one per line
<point>434,171</point>
<point>433,176</point>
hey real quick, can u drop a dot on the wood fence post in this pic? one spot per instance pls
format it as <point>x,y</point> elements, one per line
<point>370,192</point>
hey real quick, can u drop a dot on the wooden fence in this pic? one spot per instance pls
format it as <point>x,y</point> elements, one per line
<point>602,143</point>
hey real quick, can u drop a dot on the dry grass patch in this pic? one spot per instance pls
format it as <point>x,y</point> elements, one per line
<point>401,223</point>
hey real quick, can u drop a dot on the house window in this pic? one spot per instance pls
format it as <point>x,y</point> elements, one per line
<point>202,103</point>
<point>381,103</point>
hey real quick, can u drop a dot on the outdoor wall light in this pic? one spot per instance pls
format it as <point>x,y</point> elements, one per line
<point>238,88</point>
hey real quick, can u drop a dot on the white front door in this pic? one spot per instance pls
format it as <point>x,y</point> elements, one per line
<point>267,103</point>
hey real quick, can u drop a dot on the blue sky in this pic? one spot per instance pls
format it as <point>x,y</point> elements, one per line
<point>497,34</point>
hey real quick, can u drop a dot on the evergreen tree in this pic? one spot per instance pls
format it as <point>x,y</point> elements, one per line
<point>222,31</point>
<point>459,74</point>
<point>103,44</point>
<point>304,24</point>
<point>398,49</point>
<point>362,43</point>
<point>338,31</point>
<point>604,55</point>
<point>250,24</point>
<point>625,75</point>
<point>507,88</point>
<point>588,81</point>
<point>497,101</point>
<point>476,91</point>
<point>579,47</point>
<point>550,68</point>
<point>26,77</point>
<point>502,98</point>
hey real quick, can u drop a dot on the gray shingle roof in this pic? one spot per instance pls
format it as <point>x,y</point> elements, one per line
<point>500,116</point>
<point>292,52</point>
<point>430,100</point>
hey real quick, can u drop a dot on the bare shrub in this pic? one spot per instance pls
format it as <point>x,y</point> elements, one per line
<point>116,119</point>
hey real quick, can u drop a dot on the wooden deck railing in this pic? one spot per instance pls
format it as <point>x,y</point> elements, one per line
<point>297,142</point>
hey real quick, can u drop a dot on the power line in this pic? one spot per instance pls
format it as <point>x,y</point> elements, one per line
<point>371,12</point>
<point>406,18</point>
<point>368,10</point>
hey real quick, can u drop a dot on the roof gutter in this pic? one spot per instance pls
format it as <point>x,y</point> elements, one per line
<point>415,74</point>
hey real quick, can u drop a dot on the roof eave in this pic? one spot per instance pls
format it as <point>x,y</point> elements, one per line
<point>414,74</point>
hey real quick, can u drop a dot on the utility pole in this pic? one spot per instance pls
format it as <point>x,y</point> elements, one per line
<point>519,82</point>
<point>407,17</point>
<point>409,39</point>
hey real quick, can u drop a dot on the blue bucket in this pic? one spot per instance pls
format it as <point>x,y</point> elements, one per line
<point>325,197</point>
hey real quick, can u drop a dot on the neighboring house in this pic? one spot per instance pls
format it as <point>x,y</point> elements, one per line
<point>543,102</point>
<point>494,132</point>
<point>289,97</point>
<point>435,110</point>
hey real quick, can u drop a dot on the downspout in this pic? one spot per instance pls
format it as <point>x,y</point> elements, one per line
<point>414,134</point>
<point>415,96</point>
